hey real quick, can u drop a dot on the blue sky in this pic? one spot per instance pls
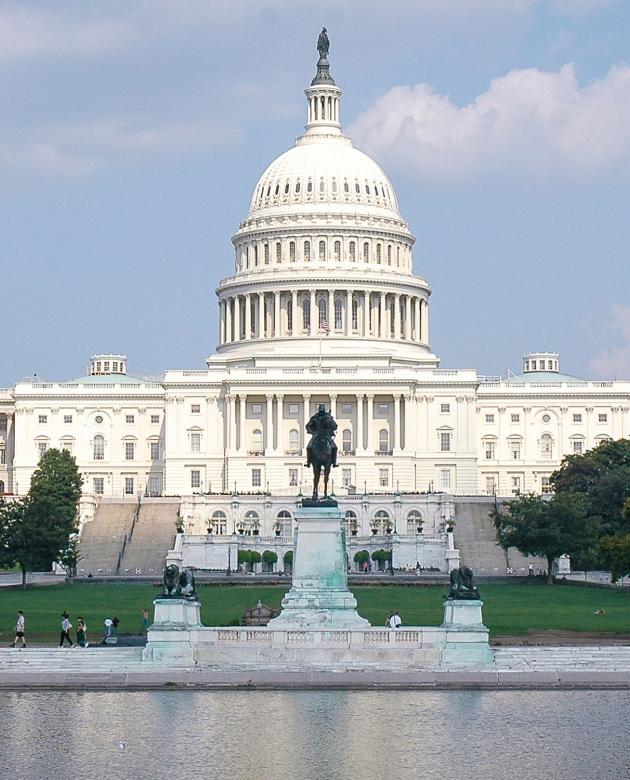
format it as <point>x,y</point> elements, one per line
<point>132,134</point>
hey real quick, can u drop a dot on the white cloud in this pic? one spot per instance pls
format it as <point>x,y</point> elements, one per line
<point>529,119</point>
<point>615,362</point>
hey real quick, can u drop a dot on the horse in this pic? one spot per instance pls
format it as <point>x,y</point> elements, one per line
<point>321,457</point>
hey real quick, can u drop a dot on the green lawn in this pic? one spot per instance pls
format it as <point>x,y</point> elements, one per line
<point>508,609</point>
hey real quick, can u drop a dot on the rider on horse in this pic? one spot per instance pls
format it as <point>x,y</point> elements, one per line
<point>322,428</point>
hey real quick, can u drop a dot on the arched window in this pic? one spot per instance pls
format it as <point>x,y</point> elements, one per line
<point>250,522</point>
<point>290,314</point>
<point>357,188</point>
<point>322,251</point>
<point>218,522</point>
<point>546,446</point>
<point>376,190</point>
<point>398,256</point>
<point>309,187</point>
<point>366,252</point>
<point>292,251</point>
<point>382,522</point>
<point>353,252</point>
<point>383,440</point>
<point>337,250</point>
<point>346,187</point>
<point>414,522</point>
<point>323,320</point>
<point>338,314</point>
<point>378,254</point>
<point>355,313</point>
<point>257,440</point>
<point>99,447</point>
<point>256,255</point>
<point>266,254</point>
<point>346,440</point>
<point>284,523</point>
<point>286,188</point>
<point>307,251</point>
<point>294,440</point>
<point>297,187</point>
<point>321,185</point>
<point>278,251</point>
<point>389,255</point>
<point>351,522</point>
<point>277,190</point>
<point>367,188</point>
<point>306,314</point>
<point>334,185</point>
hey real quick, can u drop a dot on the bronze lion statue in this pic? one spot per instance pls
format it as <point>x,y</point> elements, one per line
<point>172,588</point>
<point>463,584</point>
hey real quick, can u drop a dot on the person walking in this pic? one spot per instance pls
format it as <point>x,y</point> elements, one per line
<point>115,623</point>
<point>66,625</point>
<point>19,629</point>
<point>145,620</point>
<point>81,633</point>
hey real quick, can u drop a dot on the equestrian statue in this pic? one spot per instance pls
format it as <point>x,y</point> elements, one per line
<point>321,451</point>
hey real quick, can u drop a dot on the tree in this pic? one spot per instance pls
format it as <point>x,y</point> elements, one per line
<point>547,527</point>
<point>34,530</point>
<point>270,558</point>
<point>615,553</point>
<point>601,477</point>
<point>70,557</point>
<point>361,557</point>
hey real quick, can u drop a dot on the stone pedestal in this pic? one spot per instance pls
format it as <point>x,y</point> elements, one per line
<point>319,596</point>
<point>175,628</point>
<point>467,639</point>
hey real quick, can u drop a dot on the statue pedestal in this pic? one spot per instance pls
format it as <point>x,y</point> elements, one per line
<point>319,596</point>
<point>175,629</point>
<point>467,639</point>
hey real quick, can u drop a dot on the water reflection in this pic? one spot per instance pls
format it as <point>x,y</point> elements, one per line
<point>318,735</point>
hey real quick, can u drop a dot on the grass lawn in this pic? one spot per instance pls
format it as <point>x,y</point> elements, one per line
<point>508,609</point>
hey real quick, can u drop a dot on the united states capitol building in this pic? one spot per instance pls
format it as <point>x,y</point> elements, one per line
<point>325,305</point>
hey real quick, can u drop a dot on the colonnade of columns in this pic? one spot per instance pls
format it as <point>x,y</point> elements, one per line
<point>360,422</point>
<point>276,314</point>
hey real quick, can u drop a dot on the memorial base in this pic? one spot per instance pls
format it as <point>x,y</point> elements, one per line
<point>466,637</point>
<point>174,632</point>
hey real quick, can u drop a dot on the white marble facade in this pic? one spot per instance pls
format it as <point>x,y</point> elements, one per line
<point>324,306</point>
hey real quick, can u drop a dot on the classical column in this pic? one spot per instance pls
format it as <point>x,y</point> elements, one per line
<point>280,423</point>
<point>408,317</point>
<point>425,321</point>
<point>261,316</point>
<point>229,422</point>
<point>248,316</point>
<point>333,405</point>
<point>306,416</point>
<point>277,329</point>
<point>242,406</point>
<point>397,333</point>
<point>417,335</point>
<point>358,439</point>
<point>314,315</point>
<point>411,418</point>
<point>370,422</point>
<point>366,313</point>
<point>221,322</point>
<point>380,330</point>
<point>348,312</point>
<point>295,324</point>
<point>331,310</point>
<point>228,320</point>
<point>269,424</point>
<point>396,421</point>
<point>237,318</point>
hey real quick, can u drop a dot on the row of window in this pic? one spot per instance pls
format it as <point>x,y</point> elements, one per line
<point>130,419</point>
<point>273,192</point>
<point>546,447</point>
<point>255,255</point>
<point>129,485</point>
<point>602,417</point>
<point>516,484</point>
<point>98,448</point>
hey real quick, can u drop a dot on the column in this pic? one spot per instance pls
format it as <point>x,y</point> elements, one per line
<point>280,423</point>
<point>237,318</point>
<point>269,425</point>
<point>229,422</point>
<point>314,315</point>
<point>396,422</point>
<point>370,422</point>
<point>358,439</point>
<point>425,321</point>
<point>408,317</point>
<point>306,414</point>
<point>380,330</point>
<point>417,336</point>
<point>333,405</point>
<point>248,316</point>
<point>242,406</point>
<point>296,323</point>
<point>410,423</point>
<point>261,316</point>
<point>331,310</point>
<point>397,333</point>
<point>228,320</point>
<point>277,329</point>
<point>366,313</point>
<point>348,312</point>
<point>221,322</point>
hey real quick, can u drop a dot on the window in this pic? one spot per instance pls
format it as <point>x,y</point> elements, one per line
<point>383,477</point>
<point>491,486</point>
<point>294,408</point>
<point>278,251</point>
<point>533,365</point>
<point>292,251</point>
<point>414,522</point>
<point>337,250</point>
<point>99,447</point>
<point>381,521</point>
<point>515,449</point>
<point>257,440</point>
<point>154,450</point>
<point>578,446</point>
<point>445,479</point>
<point>546,484</point>
<point>293,477</point>
<point>490,450</point>
<point>346,408</point>
<point>195,408</point>
<point>515,418</point>
<point>43,418</point>
<point>290,314</point>
<point>42,446</point>
<point>323,320</point>
<point>67,418</point>
<point>129,486</point>
<point>195,478</point>
<point>195,442</point>
<point>322,251</point>
<point>353,252</point>
<point>155,485</point>
<point>294,440</point>
<point>99,485</point>
<point>355,314</point>
<point>577,418</point>
<point>383,408</point>
<point>378,254</point>
<point>155,418</point>
<point>383,440</point>
<point>129,418</point>
<point>445,442</point>
<point>3,456</point>
<point>66,444</point>
<point>338,314</point>
<point>307,251</point>
<point>256,477</point>
<point>284,522</point>
<point>445,408</point>
<point>130,449</point>
<point>346,440</point>
<point>266,253</point>
<point>546,446</point>
<point>366,252</point>
<point>218,521</point>
<point>346,477</point>
<point>306,314</point>
<point>489,418</point>
<point>546,418</point>
<point>516,486</point>
<point>602,418</point>
<point>389,255</point>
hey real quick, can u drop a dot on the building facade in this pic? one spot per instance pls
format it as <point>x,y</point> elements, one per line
<point>324,306</point>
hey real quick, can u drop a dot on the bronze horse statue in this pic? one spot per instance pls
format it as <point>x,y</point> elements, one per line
<point>321,451</point>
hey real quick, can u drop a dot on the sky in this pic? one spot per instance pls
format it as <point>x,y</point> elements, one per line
<point>132,133</point>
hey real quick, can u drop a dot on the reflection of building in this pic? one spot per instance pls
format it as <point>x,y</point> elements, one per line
<point>323,307</point>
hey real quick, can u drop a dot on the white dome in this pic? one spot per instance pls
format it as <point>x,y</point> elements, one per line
<point>324,172</point>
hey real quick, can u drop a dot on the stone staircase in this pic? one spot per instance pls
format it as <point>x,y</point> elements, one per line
<point>102,538</point>
<point>562,659</point>
<point>152,537</point>
<point>476,539</point>
<point>70,659</point>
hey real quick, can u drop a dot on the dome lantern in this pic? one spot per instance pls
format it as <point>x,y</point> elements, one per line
<point>323,95</point>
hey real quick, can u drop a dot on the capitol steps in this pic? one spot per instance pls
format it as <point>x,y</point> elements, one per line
<point>153,536</point>
<point>102,538</point>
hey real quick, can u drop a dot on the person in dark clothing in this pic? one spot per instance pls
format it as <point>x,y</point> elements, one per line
<point>66,625</point>
<point>115,623</point>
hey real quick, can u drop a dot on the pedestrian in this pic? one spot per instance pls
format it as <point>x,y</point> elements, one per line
<point>115,623</point>
<point>388,622</point>
<point>395,621</point>
<point>81,633</point>
<point>108,626</point>
<point>530,570</point>
<point>19,629</point>
<point>145,620</point>
<point>66,625</point>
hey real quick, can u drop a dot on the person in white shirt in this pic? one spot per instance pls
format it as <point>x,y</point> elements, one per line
<point>19,629</point>
<point>395,621</point>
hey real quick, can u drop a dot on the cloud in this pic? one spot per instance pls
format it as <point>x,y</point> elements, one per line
<point>615,362</point>
<point>529,119</point>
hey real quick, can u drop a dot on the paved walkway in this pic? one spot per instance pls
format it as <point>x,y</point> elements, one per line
<point>122,668</point>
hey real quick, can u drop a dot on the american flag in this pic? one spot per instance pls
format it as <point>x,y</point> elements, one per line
<point>323,325</point>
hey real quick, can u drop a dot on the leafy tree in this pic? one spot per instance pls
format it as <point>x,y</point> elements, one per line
<point>35,529</point>
<point>601,477</point>
<point>615,553</point>
<point>361,557</point>
<point>70,557</point>
<point>288,557</point>
<point>547,527</point>
<point>270,557</point>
